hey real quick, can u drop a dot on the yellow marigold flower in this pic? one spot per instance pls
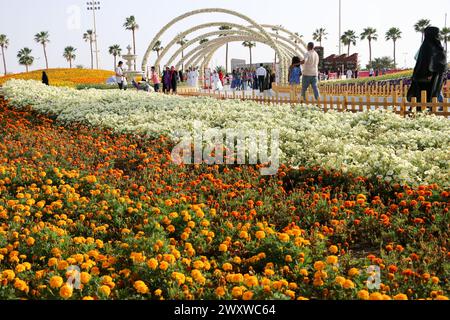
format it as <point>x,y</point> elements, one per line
<point>376,296</point>
<point>353,272</point>
<point>152,263</point>
<point>140,287</point>
<point>333,249</point>
<point>401,296</point>
<point>8,274</point>
<point>441,297</point>
<point>85,277</point>
<point>290,294</point>
<point>248,295</point>
<point>164,265</point>
<point>105,290</point>
<point>56,281</point>
<point>21,285</point>
<point>158,292</point>
<point>304,272</point>
<point>227,266</point>
<point>236,292</point>
<point>332,260</point>
<point>340,280</point>
<point>198,264</point>
<point>363,295</point>
<point>348,284</point>
<point>318,282</point>
<point>220,291</point>
<point>283,237</point>
<point>87,298</point>
<point>223,248</point>
<point>435,280</point>
<point>91,179</point>
<point>260,235</point>
<point>30,241</point>
<point>20,268</point>
<point>66,291</point>
<point>52,262</point>
<point>319,265</point>
<point>243,235</point>
<point>269,272</point>
<point>179,277</point>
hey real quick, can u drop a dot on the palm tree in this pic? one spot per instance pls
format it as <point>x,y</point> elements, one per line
<point>25,57</point>
<point>43,38</point>
<point>4,43</point>
<point>295,39</point>
<point>349,38</point>
<point>224,28</point>
<point>181,43</point>
<point>421,25</point>
<point>445,36</point>
<point>394,34</point>
<point>319,35</point>
<point>157,47</point>
<point>249,45</point>
<point>69,54</point>
<point>203,41</point>
<point>115,50</point>
<point>89,36</point>
<point>371,35</point>
<point>131,24</point>
<point>276,29</point>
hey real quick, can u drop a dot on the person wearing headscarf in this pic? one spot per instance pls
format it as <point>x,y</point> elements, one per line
<point>430,67</point>
<point>44,78</point>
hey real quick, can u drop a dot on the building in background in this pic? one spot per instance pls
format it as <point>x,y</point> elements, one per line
<point>235,63</point>
<point>342,63</point>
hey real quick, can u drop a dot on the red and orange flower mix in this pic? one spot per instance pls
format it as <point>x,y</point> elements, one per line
<point>132,224</point>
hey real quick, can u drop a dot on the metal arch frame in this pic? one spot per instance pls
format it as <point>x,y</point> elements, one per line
<point>272,42</point>
<point>297,49</point>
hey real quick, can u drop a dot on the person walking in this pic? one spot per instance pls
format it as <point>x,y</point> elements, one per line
<point>120,78</point>
<point>45,78</point>
<point>174,80</point>
<point>166,81</point>
<point>349,73</point>
<point>310,71</point>
<point>155,79</point>
<point>261,73</point>
<point>431,66</point>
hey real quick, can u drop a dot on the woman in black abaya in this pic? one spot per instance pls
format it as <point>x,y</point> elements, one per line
<point>430,67</point>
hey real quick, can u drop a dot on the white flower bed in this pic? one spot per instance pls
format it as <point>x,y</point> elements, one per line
<point>413,151</point>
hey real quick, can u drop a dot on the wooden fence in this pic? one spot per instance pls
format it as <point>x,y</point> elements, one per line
<point>341,102</point>
<point>356,89</point>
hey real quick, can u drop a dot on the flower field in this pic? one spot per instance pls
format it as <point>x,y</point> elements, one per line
<point>113,206</point>
<point>109,209</point>
<point>64,77</point>
<point>375,145</point>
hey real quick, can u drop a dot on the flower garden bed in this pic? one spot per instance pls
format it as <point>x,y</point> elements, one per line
<point>139,227</point>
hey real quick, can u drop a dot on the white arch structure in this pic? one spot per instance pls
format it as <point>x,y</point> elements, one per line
<point>286,44</point>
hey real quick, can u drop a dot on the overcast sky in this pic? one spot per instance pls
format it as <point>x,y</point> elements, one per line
<point>21,19</point>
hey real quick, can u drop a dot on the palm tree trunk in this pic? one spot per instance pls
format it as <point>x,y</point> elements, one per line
<point>370,52</point>
<point>70,63</point>
<point>115,62</point>
<point>92,57</point>
<point>395,61</point>
<point>26,67</point>
<point>182,57</point>
<point>4,60</point>
<point>226,59</point>
<point>250,48</point>
<point>45,56</point>
<point>348,53</point>
<point>134,48</point>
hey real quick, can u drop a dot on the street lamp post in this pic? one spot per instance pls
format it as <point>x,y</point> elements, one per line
<point>94,6</point>
<point>340,27</point>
